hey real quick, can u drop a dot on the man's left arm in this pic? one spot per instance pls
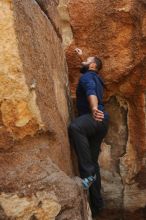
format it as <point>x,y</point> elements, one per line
<point>90,89</point>
<point>93,102</point>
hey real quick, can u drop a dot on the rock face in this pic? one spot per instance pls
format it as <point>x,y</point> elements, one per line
<point>24,208</point>
<point>116,32</point>
<point>36,172</point>
<point>36,168</point>
<point>33,90</point>
<point>43,199</point>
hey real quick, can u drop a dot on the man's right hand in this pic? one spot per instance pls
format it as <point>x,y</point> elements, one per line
<point>97,114</point>
<point>79,51</point>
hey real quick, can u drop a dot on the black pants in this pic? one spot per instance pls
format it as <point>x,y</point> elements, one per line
<point>86,135</point>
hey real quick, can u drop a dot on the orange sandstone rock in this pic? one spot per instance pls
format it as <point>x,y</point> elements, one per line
<point>115,31</point>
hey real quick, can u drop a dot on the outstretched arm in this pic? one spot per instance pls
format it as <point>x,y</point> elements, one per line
<point>80,54</point>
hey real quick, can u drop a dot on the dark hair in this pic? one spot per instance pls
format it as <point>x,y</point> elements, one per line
<point>98,63</point>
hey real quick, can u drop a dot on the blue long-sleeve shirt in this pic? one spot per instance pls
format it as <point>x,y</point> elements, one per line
<point>90,84</point>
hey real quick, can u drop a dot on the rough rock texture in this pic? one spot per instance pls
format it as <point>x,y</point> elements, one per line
<point>36,167</point>
<point>44,198</point>
<point>116,32</point>
<point>25,208</point>
<point>67,35</point>
<point>33,80</point>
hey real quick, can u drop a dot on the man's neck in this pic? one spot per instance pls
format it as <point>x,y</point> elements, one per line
<point>92,69</point>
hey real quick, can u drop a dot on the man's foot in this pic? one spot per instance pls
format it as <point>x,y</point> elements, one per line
<point>87,182</point>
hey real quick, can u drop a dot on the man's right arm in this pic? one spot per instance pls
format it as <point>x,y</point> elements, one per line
<point>90,89</point>
<point>80,54</point>
<point>93,103</point>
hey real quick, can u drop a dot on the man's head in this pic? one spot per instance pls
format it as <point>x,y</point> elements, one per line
<point>92,63</point>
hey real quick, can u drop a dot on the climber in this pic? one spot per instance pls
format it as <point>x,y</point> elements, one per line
<point>88,129</point>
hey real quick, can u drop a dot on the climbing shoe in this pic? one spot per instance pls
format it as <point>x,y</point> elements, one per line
<point>87,182</point>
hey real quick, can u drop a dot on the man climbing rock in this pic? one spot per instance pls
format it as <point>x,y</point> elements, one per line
<point>87,131</point>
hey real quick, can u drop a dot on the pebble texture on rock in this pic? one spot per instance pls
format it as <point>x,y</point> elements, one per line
<point>36,172</point>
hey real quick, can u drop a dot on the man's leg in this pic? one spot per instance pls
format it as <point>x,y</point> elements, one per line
<point>95,189</point>
<point>80,130</point>
<point>96,201</point>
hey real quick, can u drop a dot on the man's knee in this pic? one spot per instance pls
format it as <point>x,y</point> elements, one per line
<point>72,127</point>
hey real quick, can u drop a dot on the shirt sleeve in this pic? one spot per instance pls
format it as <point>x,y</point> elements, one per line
<point>89,86</point>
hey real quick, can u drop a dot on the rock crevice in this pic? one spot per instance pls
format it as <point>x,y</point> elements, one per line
<point>45,6</point>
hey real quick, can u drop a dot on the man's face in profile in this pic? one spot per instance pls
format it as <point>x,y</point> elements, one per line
<point>88,61</point>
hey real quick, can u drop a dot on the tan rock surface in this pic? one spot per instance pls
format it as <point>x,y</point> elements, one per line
<point>42,206</point>
<point>67,34</point>
<point>33,85</point>
<point>34,114</point>
<point>45,197</point>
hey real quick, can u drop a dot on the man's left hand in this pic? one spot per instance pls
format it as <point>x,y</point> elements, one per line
<point>97,114</point>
